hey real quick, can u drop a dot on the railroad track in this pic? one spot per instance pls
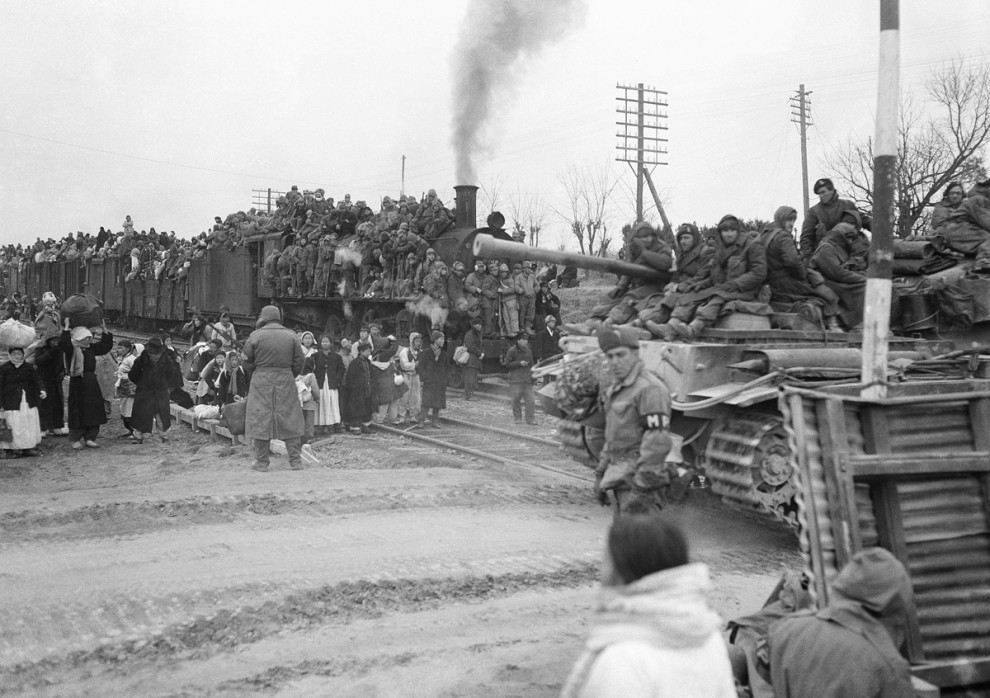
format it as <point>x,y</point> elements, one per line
<point>492,443</point>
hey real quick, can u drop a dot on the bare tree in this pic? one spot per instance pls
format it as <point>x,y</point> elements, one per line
<point>529,213</point>
<point>589,195</point>
<point>490,195</point>
<point>932,151</point>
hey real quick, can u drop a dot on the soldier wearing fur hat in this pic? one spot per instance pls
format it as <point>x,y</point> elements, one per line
<point>636,404</point>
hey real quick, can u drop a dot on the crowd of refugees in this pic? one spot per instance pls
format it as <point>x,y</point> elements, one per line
<point>818,276</point>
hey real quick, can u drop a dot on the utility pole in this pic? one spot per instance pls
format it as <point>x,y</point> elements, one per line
<point>640,143</point>
<point>801,115</point>
<point>402,188</point>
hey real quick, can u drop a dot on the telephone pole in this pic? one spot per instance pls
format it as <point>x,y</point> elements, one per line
<point>640,143</point>
<point>801,115</point>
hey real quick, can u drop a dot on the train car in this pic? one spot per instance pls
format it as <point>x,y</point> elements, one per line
<point>234,280</point>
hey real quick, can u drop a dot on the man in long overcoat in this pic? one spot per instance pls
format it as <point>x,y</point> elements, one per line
<point>273,408</point>
<point>432,368</point>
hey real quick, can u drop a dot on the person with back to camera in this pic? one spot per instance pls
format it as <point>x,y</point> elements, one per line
<point>273,410</point>
<point>654,633</point>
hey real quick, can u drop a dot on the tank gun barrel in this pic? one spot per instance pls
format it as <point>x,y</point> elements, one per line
<point>487,246</point>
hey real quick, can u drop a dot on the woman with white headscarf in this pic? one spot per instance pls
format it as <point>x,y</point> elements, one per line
<point>86,410</point>
<point>20,391</point>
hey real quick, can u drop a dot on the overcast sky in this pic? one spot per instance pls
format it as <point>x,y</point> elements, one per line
<point>173,112</point>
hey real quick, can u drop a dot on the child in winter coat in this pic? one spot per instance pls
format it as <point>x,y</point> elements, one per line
<point>309,395</point>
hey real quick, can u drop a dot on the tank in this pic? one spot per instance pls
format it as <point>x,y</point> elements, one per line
<point>726,422</point>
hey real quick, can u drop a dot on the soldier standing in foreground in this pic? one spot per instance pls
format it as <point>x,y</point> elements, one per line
<point>637,419</point>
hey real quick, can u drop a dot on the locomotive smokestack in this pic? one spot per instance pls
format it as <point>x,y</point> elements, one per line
<point>466,215</point>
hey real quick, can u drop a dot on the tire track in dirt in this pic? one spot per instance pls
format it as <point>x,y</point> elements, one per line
<point>127,519</point>
<point>327,605</point>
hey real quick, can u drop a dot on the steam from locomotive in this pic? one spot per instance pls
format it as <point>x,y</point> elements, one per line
<point>495,36</point>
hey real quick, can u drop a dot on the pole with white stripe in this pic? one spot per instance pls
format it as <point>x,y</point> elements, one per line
<point>876,322</point>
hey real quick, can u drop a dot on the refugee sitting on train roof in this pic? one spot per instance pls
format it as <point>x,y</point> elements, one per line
<point>631,295</point>
<point>654,632</point>
<point>736,275</point>
<point>850,648</point>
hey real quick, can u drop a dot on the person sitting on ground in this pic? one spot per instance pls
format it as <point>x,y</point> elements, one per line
<point>849,649</point>
<point>233,383</point>
<point>654,632</point>
<point>737,273</point>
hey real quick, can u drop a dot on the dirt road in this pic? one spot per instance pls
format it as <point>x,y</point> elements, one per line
<point>391,569</point>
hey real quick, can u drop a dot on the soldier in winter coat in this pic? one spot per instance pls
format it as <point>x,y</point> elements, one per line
<point>823,216</point>
<point>737,273</point>
<point>275,356</point>
<point>694,261</point>
<point>968,227</point>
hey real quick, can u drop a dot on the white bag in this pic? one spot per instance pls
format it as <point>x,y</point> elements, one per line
<point>207,411</point>
<point>461,355</point>
<point>14,334</point>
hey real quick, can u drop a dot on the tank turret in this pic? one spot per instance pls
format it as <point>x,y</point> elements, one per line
<point>488,246</point>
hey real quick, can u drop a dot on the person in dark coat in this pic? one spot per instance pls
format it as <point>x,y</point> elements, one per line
<point>737,273</point>
<point>519,362</point>
<point>791,287</point>
<point>694,263</point>
<point>824,216</point>
<point>330,371</point>
<point>275,358</point>
<point>432,368</point>
<point>21,390</point>
<point>356,408</point>
<point>953,198</point>
<point>473,345</point>
<point>849,649</point>
<point>86,410</point>
<point>153,375</point>
<point>51,369</point>
<point>547,304</point>
<point>546,343</point>
<point>968,227</point>
<point>233,383</point>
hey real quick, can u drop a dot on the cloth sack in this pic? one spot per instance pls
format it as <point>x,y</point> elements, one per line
<point>82,310</point>
<point>206,411</point>
<point>305,394</point>
<point>233,417</point>
<point>461,355</point>
<point>14,334</point>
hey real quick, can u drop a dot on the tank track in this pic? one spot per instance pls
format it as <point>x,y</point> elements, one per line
<point>748,464</point>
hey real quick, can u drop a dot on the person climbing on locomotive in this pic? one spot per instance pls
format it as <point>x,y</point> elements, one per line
<point>529,288</point>
<point>636,404</point>
<point>968,227</point>
<point>630,295</point>
<point>823,216</point>
<point>738,271</point>
<point>478,302</point>
<point>694,261</point>
<point>951,200</point>
<point>792,288</point>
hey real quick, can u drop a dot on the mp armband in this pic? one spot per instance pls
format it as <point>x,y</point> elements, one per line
<point>655,420</point>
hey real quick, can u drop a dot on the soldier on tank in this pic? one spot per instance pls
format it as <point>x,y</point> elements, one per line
<point>632,295</point>
<point>632,464</point>
<point>694,260</point>
<point>823,217</point>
